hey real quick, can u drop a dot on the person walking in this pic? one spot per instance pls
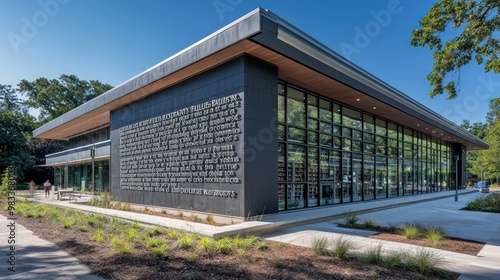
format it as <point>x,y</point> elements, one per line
<point>47,186</point>
<point>32,187</point>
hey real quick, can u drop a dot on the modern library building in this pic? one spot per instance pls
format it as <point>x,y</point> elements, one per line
<point>257,118</point>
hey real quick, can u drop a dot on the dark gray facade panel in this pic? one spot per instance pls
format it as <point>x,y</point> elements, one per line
<point>261,137</point>
<point>102,149</point>
<point>254,83</point>
<point>89,138</point>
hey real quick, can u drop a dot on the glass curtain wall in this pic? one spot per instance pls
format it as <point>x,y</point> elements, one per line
<point>330,153</point>
<point>79,176</point>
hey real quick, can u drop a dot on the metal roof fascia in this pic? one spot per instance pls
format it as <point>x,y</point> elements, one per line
<point>293,36</point>
<point>238,30</point>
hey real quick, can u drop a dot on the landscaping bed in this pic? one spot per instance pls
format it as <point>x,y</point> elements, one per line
<point>115,249</point>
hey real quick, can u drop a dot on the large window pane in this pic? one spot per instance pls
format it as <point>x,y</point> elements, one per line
<point>296,196</point>
<point>281,197</point>
<point>312,106</point>
<point>381,176</point>
<point>296,135</point>
<point>381,127</point>
<point>325,112</point>
<point>393,177</point>
<point>296,163</point>
<point>351,118</point>
<point>337,117</point>
<point>312,177</point>
<point>369,177</point>
<point>392,130</point>
<point>281,163</point>
<point>408,177</point>
<point>296,107</point>
<point>346,177</point>
<point>312,124</point>
<point>281,103</point>
<point>357,177</point>
<point>326,140</point>
<point>368,123</point>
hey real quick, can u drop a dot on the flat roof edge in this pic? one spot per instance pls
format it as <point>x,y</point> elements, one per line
<point>295,37</point>
<point>236,31</point>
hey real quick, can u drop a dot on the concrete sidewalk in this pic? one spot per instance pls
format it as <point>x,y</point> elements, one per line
<point>35,258</point>
<point>301,226</point>
<point>444,213</point>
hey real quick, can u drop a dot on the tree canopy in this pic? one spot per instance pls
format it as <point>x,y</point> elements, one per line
<point>477,24</point>
<point>57,96</point>
<point>485,164</point>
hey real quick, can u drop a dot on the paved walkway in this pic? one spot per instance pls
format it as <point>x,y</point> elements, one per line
<point>301,226</point>
<point>35,258</point>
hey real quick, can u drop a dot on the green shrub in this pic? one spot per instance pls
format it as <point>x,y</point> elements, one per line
<point>393,259</point>
<point>434,235</point>
<point>161,250</point>
<point>207,244</point>
<point>374,255</point>
<point>410,231</point>
<point>121,246</point>
<point>225,245</point>
<point>320,246</point>
<point>99,235</point>
<point>351,221</point>
<point>262,246</point>
<point>489,203</point>
<point>277,263</point>
<point>210,220</point>
<point>342,247</point>
<point>424,262</point>
<point>370,224</point>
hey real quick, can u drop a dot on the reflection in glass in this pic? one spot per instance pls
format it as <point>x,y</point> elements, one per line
<point>281,197</point>
<point>393,177</point>
<point>381,175</point>
<point>351,118</point>
<point>296,107</point>
<point>346,177</point>
<point>296,196</point>
<point>312,137</point>
<point>312,106</point>
<point>357,177</point>
<point>325,111</point>
<point>296,134</point>
<point>296,163</point>
<point>369,177</point>
<point>408,177</point>
<point>312,177</point>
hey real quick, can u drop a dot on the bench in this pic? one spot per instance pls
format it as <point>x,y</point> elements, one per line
<point>61,193</point>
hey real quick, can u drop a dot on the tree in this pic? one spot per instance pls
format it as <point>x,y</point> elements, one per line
<point>58,96</point>
<point>8,99</point>
<point>16,125</point>
<point>476,22</point>
<point>13,148</point>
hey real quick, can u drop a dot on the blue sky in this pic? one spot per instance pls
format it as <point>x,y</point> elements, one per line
<point>114,40</point>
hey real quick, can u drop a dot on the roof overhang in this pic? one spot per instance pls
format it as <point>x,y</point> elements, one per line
<point>301,60</point>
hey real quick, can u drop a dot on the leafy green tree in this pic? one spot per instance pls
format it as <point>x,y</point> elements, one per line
<point>13,148</point>
<point>491,157</point>
<point>477,24</point>
<point>8,99</point>
<point>16,125</point>
<point>58,96</point>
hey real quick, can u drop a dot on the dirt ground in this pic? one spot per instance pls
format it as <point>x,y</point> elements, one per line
<point>279,261</point>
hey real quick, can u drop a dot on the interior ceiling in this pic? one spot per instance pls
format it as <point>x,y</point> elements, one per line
<point>288,70</point>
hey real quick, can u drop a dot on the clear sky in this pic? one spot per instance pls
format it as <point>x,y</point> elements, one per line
<point>114,40</point>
